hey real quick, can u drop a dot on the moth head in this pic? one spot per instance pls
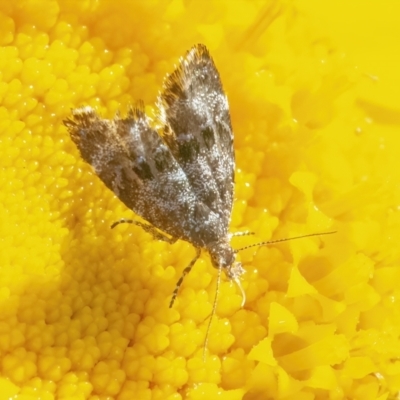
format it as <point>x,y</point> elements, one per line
<point>221,253</point>
<point>224,257</point>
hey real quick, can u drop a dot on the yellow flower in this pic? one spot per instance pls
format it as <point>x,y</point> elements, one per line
<point>314,104</point>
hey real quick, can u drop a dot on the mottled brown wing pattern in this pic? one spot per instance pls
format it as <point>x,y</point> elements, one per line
<point>198,130</point>
<point>181,181</point>
<point>134,162</point>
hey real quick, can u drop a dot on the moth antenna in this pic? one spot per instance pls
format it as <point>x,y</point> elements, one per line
<point>212,314</point>
<point>283,240</point>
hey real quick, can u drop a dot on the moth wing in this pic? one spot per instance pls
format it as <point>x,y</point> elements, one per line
<point>198,130</point>
<point>135,163</point>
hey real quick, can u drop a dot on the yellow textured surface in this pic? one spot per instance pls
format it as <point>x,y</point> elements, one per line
<point>314,96</point>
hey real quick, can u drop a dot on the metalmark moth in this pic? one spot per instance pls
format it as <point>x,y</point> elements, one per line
<point>180,176</point>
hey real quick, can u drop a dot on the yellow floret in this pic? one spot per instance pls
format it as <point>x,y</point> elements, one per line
<point>313,93</point>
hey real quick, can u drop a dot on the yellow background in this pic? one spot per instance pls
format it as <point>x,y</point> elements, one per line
<point>314,95</point>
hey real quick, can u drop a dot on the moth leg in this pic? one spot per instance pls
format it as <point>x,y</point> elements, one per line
<point>244,233</point>
<point>184,273</point>
<point>148,228</point>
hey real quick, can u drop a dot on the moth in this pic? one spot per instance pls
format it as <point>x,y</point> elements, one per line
<point>179,175</point>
